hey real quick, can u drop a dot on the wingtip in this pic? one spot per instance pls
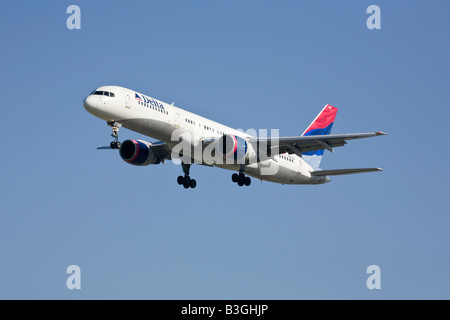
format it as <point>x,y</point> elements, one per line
<point>381,133</point>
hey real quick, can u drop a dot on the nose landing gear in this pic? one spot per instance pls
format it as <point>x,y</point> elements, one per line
<point>115,128</point>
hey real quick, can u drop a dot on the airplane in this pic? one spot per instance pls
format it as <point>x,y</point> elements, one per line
<point>191,139</point>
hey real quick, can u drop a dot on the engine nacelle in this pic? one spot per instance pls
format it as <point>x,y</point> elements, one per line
<point>138,153</point>
<point>232,147</point>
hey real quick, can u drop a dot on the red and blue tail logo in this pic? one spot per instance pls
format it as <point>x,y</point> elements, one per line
<point>320,126</point>
<point>322,123</point>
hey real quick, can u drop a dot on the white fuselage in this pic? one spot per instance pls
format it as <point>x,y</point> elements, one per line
<point>157,119</point>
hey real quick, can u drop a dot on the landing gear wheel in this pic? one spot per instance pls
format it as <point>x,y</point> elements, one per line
<point>241,179</point>
<point>186,181</point>
<point>115,144</point>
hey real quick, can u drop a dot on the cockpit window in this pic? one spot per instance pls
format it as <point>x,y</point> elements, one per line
<point>103,93</point>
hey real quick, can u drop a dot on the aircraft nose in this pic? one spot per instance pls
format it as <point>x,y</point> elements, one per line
<point>89,103</point>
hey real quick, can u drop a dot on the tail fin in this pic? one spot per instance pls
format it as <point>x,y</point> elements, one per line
<point>320,126</point>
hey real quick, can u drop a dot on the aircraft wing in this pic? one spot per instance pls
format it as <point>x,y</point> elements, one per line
<point>337,172</point>
<point>161,149</point>
<point>302,144</point>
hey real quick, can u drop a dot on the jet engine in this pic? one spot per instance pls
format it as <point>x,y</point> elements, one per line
<point>138,153</point>
<point>232,147</point>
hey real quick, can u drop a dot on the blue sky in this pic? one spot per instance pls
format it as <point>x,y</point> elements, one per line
<point>248,64</point>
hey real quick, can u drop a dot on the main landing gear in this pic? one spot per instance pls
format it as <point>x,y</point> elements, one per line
<point>186,181</point>
<point>241,179</point>
<point>115,128</point>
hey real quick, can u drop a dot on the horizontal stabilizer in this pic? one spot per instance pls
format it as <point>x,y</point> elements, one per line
<point>343,171</point>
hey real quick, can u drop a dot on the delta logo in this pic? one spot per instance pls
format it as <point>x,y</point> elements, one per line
<point>148,100</point>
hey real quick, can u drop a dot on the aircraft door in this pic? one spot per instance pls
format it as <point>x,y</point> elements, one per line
<point>299,165</point>
<point>127,100</point>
